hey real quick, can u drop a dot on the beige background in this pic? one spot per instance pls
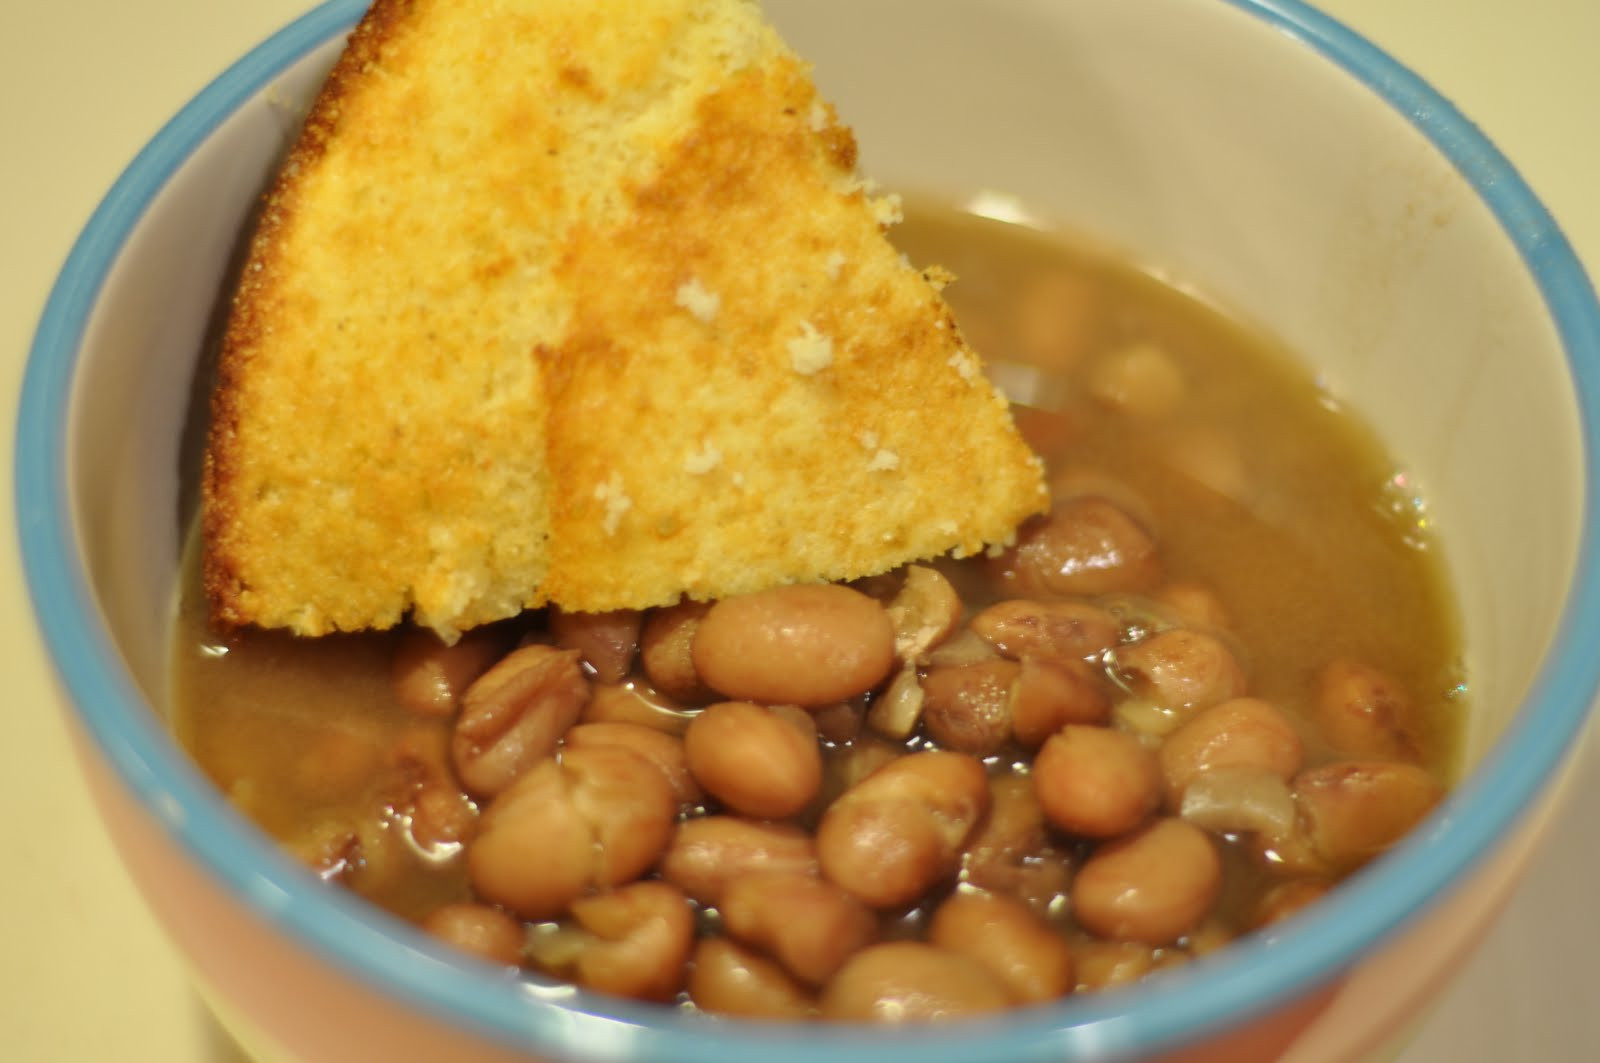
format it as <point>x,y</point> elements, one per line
<point>84,975</point>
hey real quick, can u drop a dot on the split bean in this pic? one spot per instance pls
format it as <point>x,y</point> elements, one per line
<point>641,938</point>
<point>1006,937</point>
<point>709,852</point>
<point>808,924</point>
<point>514,714</point>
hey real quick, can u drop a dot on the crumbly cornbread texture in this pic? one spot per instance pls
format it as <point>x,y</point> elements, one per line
<point>582,302</point>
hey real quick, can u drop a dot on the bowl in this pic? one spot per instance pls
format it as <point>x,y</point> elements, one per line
<point>1251,147</point>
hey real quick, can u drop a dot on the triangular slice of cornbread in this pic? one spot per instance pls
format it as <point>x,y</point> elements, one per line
<point>581,301</point>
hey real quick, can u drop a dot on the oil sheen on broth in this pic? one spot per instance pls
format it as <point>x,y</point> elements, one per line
<point>1282,528</point>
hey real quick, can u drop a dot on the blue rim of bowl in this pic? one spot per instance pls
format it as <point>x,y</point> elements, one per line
<point>1243,981</point>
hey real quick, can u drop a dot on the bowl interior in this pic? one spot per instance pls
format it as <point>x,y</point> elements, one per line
<point>1347,210</point>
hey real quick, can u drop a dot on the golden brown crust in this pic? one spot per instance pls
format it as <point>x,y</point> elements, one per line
<point>580,301</point>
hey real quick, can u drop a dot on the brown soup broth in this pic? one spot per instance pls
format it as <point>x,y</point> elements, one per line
<point>1256,483</point>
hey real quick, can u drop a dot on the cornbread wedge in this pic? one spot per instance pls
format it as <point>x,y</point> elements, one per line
<point>582,302</point>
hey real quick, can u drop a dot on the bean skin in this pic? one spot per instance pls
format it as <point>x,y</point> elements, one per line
<point>808,924</point>
<point>728,979</point>
<point>709,852</point>
<point>926,611</point>
<point>1153,887</point>
<point>902,829</point>
<point>907,981</point>
<point>479,930</point>
<point>1005,936</point>
<point>757,761</point>
<point>1095,782</point>
<point>808,645</point>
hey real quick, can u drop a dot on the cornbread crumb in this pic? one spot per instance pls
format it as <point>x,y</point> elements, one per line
<point>884,460</point>
<point>833,264</point>
<point>698,301</point>
<point>888,210</point>
<point>963,362</point>
<point>811,352</point>
<point>616,501</point>
<point>699,462</point>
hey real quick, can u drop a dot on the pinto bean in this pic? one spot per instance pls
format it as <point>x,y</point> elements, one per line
<point>902,829</point>
<point>514,714</point>
<point>1289,898</point>
<point>607,641</point>
<point>926,611</point>
<point>1048,695</point>
<point>1011,852</point>
<point>840,723</point>
<point>1095,782</point>
<point>1108,964</point>
<point>1363,712</point>
<point>630,702</point>
<point>1055,630</point>
<point>1182,669</point>
<point>808,645</point>
<point>642,934</point>
<point>728,979</point>
<point>1085,545</point>
<point>1142,380</point>
<point>479,929</point>
<point>663,750</point>
<point>666,637</point>
<point>908,981</point>
<point>429,677</point>
<point>1195,606</point>
<point>1153,886</point>
<point>967,708</point>
<point>598,817</point>
<point>1008,938</point>
<point>1238,733</point>
<point>757,761</point>
<point>708,852</point>
<point>808,924</point>
<point>1355,810</point>
<point>440,818</point>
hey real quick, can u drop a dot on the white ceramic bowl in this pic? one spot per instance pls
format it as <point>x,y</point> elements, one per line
<point>1251,147</point>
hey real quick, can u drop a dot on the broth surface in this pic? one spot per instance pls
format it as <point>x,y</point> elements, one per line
<point>1273,507</point>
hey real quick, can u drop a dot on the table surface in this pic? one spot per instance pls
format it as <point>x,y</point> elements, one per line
<point>85,974</point>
